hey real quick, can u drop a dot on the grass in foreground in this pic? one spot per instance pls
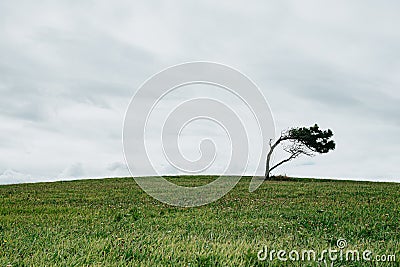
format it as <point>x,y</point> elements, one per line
<point>112,222</point>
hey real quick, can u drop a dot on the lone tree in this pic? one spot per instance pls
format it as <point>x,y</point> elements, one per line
<point>300,141</point>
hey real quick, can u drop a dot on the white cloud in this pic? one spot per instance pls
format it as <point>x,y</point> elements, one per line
<point>14,177</point>
<point>73,171</point>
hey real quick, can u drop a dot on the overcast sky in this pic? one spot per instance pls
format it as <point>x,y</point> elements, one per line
<point>69,68</point>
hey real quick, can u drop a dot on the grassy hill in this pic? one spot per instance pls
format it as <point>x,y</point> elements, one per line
<point>112,222</point>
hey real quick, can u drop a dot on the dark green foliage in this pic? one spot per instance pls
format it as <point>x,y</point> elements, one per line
<point>313,138</point>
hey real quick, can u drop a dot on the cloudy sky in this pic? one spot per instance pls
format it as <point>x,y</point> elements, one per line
<point>69,68</point>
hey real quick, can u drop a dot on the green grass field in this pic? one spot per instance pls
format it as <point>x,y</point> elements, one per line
<point>112,222</point>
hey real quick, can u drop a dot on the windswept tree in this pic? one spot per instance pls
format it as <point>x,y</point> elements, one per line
<point>300,141</point>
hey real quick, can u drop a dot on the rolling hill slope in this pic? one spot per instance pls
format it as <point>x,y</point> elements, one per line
<point>112,222</point>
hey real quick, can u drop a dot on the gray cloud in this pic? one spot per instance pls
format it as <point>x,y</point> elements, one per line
<point>74,171</point>
<point>67,71</point>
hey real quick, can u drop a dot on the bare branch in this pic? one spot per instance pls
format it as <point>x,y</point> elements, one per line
<point>293,156</point>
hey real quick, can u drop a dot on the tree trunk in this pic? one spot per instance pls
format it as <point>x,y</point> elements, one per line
<point>272,147</point>
<point>267,165</point>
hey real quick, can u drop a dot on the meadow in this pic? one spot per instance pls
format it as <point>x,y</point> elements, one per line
<point>112,222</point>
